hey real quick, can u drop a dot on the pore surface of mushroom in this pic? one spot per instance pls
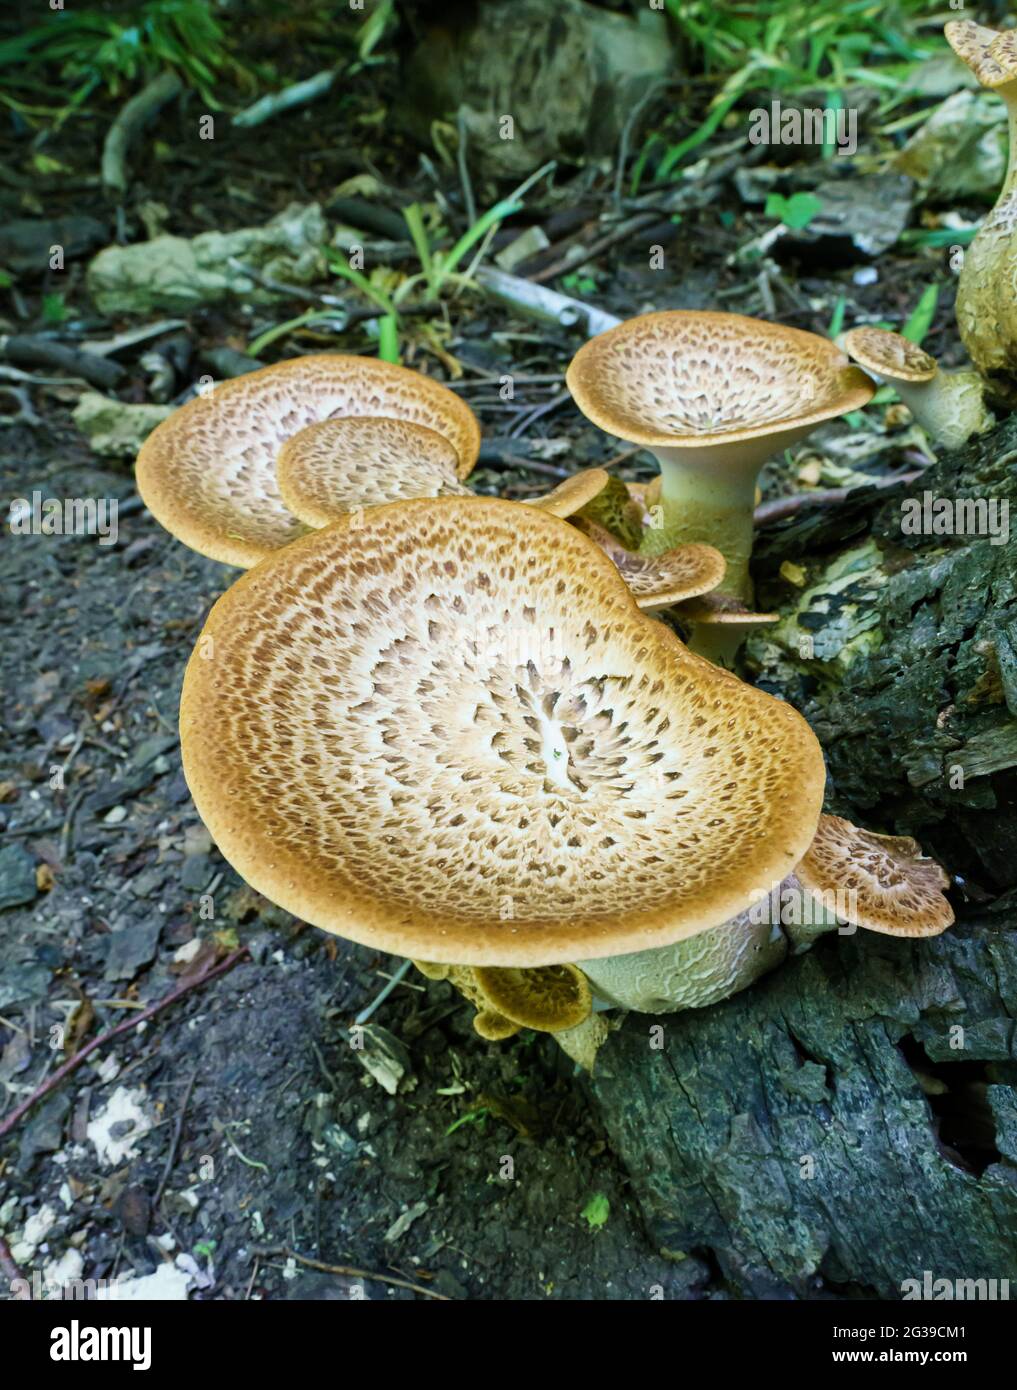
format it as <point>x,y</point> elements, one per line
<point>208,473</point>
<point>987,286</point>
<point>713,396</point>
<point>449,732</point>
<point>949,406</point>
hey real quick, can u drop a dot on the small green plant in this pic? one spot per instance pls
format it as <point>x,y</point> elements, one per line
<point>795,212</point>
<point>472,1117</point>
<point>596,1211</point>
<point>95,50</point>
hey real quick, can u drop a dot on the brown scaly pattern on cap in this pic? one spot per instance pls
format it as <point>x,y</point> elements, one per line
<point>694,377</point>
<point>991,54</point>
<point>337,466</point>
<point>448,732</point>
<point>656,581</point>
<point>889,354</point>
<point>208,472</point>
<point>892,887</point>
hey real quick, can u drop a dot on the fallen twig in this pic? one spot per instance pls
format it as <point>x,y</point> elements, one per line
<point>348,1271</point>
<point>129,124</point>
<point>30,350</point>
<point>779,508</point>
<point>74,1062</point>
<point>299,94</point>
<point>546,306</point>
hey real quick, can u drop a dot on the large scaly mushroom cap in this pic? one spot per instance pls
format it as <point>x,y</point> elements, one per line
<point>208,472</point>
<point>713,396</point>
<point>692,378</point>
<point>987,286</point>
<point>448,732</point>
<point>338,466</point>
<point>658,581</point>
<point>883,883</point>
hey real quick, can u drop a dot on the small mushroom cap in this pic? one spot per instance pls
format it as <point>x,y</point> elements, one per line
<point>689,378</point>
<point>883,883</point>
<point>889,354</point>
<point>548,998</point>
<point>448,732</point>
<point>208,472</point>
<point>337,466</point>
<point>657,581</point>
<point>573,493</point>
<point>991,54</point>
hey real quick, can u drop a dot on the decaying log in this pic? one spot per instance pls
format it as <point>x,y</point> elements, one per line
<point>851,1122</point>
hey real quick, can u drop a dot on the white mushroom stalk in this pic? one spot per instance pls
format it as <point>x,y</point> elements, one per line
<point>949,406</point>
<point>712,396</point>
<point>849,878</point>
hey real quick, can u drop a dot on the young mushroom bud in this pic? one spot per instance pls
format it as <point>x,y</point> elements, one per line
<point>712,396</point>
<point>987,287</point>
<point>208,473</point>
<point>448,732</point>
<point>949,406</point>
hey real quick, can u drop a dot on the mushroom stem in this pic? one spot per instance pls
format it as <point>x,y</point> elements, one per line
<point>950,408</point>
<point>700,502</point>
<point>718,643</point>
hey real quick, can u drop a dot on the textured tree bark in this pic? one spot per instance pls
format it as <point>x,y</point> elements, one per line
<point>851,1122</point>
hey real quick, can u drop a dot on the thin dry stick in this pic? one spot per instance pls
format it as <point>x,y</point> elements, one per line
<point>8,1265</point>
<point>74,1062</point>
<point>349,1271</point>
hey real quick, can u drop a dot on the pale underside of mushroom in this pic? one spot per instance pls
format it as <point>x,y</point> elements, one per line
<point>716,625</point>
<point>949,406</point>
<point>448,732</point>
<point>658,581</point>
<point>208,473</point>
<point>713,396</point>
<point>848,878</point>
<point>987,286</point>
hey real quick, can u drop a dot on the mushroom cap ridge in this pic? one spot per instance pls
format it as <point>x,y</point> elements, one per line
<point>695,378</point>
<point>207,473</point>
<point>373,747</point>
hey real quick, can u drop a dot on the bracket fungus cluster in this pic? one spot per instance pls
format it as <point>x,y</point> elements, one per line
<point>712,396</point>
<point>987,287</point>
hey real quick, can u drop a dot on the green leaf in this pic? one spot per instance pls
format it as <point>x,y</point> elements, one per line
<point>795,212</point>
<point>922,315</point>
<point>388,338</point>
<point>596,1211</point>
